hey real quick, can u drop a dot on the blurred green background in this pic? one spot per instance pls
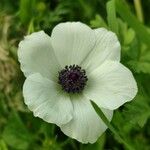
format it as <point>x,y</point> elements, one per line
<point>130,20</point>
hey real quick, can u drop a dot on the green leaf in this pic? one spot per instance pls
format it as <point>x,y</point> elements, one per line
<point>140,29</point>
<point>98,22</point>
<point>140,66</point>
<point>111,16</point>
<point>15,134</point>
<point>126,34</point>
<point>129,36</point>
<point>138,111</point>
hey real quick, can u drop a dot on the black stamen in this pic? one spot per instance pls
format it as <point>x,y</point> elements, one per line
<point>72,79</point>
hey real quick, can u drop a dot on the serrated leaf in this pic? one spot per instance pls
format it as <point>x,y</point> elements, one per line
<point>140,66</point>
<point>129,36</point>
<point>125,13</point>
<point>138,111</point>
<point>98,22</point>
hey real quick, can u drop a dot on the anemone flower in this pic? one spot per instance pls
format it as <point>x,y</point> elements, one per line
<point>66,70</point>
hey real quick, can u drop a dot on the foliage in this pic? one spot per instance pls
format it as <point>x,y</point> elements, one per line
<point>19,130</point>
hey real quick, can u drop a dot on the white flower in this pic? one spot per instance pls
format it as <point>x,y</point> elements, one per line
<point>62,95</point>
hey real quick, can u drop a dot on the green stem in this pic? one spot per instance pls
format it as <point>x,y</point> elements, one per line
<point>113,130</point>
<point>31,27</point>
<point>138,8</point>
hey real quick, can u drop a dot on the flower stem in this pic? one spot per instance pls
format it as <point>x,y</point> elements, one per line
<point>113,130</point>
<point>138,8</point>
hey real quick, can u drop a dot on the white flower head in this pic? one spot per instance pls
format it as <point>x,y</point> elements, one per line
<point>66,70</point>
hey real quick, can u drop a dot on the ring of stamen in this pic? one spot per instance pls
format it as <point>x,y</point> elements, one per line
<point>72,79</point>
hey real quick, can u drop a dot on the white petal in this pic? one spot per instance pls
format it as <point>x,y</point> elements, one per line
<point>45,100</point>
<point>107,47</point>
<point>86,126</point>
<point>72,41</point>
<point>36,55</point>
<point>111,85</point>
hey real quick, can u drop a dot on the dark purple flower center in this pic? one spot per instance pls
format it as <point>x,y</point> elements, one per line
<point>72,79</point>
